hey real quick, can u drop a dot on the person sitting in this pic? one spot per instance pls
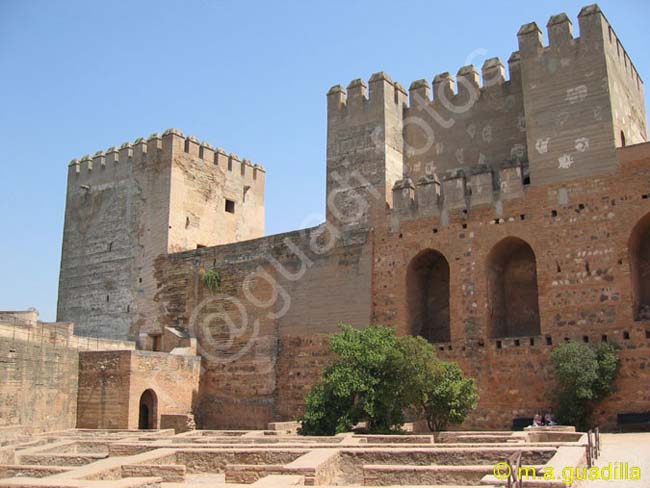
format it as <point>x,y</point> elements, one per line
<point>537,420</point>
<point>549,419</point>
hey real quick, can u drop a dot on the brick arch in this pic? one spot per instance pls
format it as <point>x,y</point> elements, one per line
<point>513,302</point>
<point>148,410</point>
<point>427,292</point>
<point>639,255</point>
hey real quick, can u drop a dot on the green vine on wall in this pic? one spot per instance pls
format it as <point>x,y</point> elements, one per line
<point>211,280</point>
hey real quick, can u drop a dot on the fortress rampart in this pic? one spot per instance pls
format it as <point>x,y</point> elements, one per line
<point>495,213</point>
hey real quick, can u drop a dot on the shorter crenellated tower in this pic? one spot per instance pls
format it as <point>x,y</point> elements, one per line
<point>364,148</point>
<point>126,206</point>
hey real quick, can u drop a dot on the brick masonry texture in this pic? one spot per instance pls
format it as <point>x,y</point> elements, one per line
<point>111,384</point>
<point>39,370</point>
<point>496,218</point>
<point>125,207</point>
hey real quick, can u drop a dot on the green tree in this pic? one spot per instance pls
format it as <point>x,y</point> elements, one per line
<point>438,390</point>
<point>362,384</point>
<point>376,376</point>
<point>585,375</point>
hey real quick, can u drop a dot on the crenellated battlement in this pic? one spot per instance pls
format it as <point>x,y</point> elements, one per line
<point>361,96</point>
<point>113,162</point>
<point>457,191</point>
<point>583,93</point>
<point>450,92</point>
<point>593,26</point>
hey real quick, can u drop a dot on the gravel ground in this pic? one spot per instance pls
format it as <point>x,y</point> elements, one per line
<point>620,448</point>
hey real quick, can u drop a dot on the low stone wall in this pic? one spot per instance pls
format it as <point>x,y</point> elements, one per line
<point>383,475</point>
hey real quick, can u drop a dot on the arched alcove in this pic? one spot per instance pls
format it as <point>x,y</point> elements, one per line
<point>639,253</point>
<point>427,284</point>
<point>512,289</point>
<point>148,416</point>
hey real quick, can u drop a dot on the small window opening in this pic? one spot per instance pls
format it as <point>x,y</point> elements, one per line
<point>603,338</point>
<point>229,164</point>
<point>230,206</point>
<point>187,145</point>
<point>499,344</point>
<point>110,246</point>
<point>549,341</point>
<point>626,335</point>
<point>585,338</point>
<point>532,341</point>
<point>108,298</point>
<point>622,139</point>
<point>553,213</point>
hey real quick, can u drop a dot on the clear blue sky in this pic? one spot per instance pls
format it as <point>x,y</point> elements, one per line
<point>251,77</point>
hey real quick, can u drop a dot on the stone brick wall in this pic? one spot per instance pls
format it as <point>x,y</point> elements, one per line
<point>276,301</point>
<point>579,233</point>
<point>111,384</point>
<point>39,369</point>
<point>467,124</point>
<point>39,384</point>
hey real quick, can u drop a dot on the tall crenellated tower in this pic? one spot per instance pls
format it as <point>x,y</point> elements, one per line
<point>127,206</point>
<point>583,97</point>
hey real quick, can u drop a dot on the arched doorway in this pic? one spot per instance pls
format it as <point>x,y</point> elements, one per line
<point>427,291</point>
<point>512,289</point>
<point>639,249</point>
<point>148,410</point>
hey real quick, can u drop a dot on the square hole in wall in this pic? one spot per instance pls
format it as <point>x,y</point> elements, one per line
<point>585,338</point>
<point>532,341</point>
<point>549,341</point>
<point>626,335</point>
<point>517,343</point>
<point>499,344</point>
<point>230,206</point>
<point>603,338</point>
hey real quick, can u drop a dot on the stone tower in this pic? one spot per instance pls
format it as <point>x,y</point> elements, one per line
<point>125,207</point>
<point>364,149</point>
<point>583,97</point>
<point>462,141</point>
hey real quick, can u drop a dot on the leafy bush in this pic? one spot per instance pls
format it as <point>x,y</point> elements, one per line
<point>585,375</point>
<point>211,280</point>
<point>377,376</point>
<point>439,391</point>
<point>363,384</point>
